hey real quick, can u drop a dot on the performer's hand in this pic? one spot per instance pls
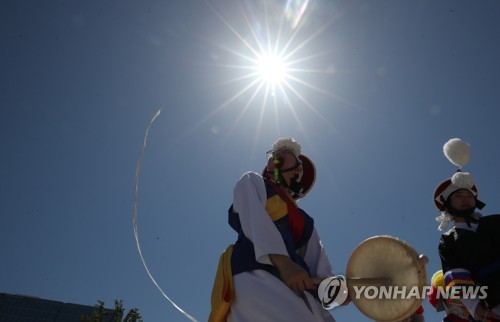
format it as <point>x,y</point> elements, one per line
<point>294,276</point>
<point>483,314</point>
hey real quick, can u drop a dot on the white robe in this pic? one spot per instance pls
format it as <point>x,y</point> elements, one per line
<point>258,295</point>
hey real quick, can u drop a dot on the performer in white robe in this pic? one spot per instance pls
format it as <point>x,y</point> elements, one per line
<point>275,284</point>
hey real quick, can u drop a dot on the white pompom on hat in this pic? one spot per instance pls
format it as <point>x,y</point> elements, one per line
<point>458,153</point>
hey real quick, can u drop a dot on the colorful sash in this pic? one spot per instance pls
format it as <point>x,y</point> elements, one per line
<point>295,217</point>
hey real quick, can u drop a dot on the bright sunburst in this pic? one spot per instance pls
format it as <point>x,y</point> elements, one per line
<point>269,52</point>
<point>271,69</point>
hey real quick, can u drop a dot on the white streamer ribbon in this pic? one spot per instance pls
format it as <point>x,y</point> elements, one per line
<point>136,234</point>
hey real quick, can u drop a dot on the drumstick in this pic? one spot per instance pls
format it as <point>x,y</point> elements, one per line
<point>359,281</point>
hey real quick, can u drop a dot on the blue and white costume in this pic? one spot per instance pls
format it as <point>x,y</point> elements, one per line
<point>259,295</point>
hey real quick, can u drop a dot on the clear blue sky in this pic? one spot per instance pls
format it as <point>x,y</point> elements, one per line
<point>375,89</point>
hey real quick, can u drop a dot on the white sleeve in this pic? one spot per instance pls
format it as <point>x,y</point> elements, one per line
<point>249,201</point>
<point>316,257</point>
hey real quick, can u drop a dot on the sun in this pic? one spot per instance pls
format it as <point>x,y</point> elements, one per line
<point>272,61</point>
<point>271,69</point>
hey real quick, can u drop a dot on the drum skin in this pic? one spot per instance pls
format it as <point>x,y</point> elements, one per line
<point>392,259</point>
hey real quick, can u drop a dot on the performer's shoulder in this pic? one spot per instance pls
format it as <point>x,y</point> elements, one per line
<point>251,175</point>
<point>448,233</point>
<point>490,219</point>
<point>447,239</point>
<point>249,179</point>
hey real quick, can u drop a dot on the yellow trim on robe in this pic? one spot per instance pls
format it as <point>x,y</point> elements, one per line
<point>276,207</point>
<point>223,290</point>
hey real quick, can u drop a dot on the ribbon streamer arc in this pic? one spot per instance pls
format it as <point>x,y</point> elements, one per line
<point>136,234</point>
